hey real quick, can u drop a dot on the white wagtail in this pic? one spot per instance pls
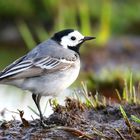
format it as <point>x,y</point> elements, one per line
<point>49,68</point>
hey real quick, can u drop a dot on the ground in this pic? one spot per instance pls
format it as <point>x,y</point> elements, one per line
<point>76,121</point>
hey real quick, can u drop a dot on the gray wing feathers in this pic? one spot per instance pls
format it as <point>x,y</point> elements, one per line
<point>28,68</point>
<point>9,68</point>
<point>46,57</point>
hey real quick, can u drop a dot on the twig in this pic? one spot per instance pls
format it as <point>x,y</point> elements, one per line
<point>120,134</point>
<point>24,121</point>
<point>99,133</point>
<point>75,131</point>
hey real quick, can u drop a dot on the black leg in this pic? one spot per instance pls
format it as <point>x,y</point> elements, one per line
<point>36,99</point>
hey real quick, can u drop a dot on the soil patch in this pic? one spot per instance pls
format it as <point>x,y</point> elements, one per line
<point>75,121</point>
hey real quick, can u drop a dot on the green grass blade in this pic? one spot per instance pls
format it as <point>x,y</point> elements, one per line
<point>123,112</point>
<point>33,110</point>
<point>135,119</point>
<point>26,34</point>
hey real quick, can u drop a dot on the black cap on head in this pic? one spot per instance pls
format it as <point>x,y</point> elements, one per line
<point>57,36</point>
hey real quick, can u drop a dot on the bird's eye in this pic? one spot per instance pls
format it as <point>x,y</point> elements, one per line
<point>73,38</point>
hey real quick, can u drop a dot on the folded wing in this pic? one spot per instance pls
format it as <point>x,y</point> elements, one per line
<point>30,68</point>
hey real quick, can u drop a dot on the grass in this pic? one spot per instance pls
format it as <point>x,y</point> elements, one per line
<point>129,124</point>
<point>26,35</point>
<point>105,14</point>
<point>98,17</point>
<point>93,101</point>
<point>136,119</point>
<point>126,120</point>
<point>129,94</point>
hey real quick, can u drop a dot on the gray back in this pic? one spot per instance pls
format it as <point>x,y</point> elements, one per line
<point>52,49</point>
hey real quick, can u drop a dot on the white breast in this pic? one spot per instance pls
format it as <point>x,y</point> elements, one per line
<point>61,80</point>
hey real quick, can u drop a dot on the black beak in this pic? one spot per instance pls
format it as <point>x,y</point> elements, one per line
<point>88,38</point>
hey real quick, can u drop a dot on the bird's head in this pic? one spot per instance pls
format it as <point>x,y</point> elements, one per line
<point>70,39</point>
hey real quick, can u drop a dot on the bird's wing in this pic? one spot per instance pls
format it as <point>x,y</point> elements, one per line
<point>4,73</point>
<point>23,68</point>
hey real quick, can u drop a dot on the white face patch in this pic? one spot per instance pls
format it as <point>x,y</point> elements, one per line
<point>72,39</point>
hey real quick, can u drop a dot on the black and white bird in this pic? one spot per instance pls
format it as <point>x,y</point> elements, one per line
<point>49,68</point>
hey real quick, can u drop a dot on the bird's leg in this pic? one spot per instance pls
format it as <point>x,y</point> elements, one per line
<point>36,99</point>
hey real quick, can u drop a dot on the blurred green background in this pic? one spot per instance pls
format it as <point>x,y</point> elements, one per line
<point>107,61</point>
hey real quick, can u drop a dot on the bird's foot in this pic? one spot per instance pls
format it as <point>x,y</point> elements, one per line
<point>46,126</point>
